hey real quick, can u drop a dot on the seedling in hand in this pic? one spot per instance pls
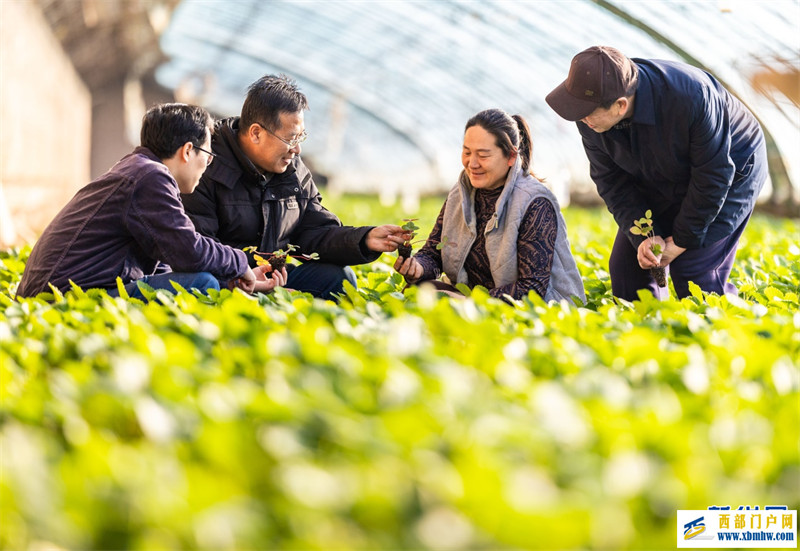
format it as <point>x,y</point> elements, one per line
<point>276,260</point>
<point>644,227</point>
<point>404,250</point>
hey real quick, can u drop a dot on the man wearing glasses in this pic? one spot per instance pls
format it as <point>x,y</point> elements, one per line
<point>258,193</point>
<point>130,223</point>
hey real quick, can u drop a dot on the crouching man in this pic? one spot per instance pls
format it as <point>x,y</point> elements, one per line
<point>130,222</point>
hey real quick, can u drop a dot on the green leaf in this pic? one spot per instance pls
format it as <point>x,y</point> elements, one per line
<point>773,293</point>
<point>177,286</point>
<point>352,294</point>
<point>58,296</point>
<point>464,289</point>
<point>410,225</point>
<point>76,290</point>
<point>147,291</point>
<point>121,290</point>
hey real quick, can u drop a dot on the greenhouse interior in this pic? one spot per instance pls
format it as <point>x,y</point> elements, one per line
<point>392,416</point>
<point>390,84</point>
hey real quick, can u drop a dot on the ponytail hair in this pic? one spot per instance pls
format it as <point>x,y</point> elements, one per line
<point>512,134</point>
<point>525,147</point>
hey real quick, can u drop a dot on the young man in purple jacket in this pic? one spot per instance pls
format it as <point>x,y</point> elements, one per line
<point>130,223</point>
<point>666,137</point>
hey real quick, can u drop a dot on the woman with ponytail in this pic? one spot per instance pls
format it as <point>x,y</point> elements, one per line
<point>503,228</point>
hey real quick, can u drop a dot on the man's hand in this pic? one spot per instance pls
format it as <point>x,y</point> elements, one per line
<point>265,284</point>
<point>385,239</point>
<point>246,282</point>
<point>409,268</point>
<point>671,252</point>
<point>647,259</point>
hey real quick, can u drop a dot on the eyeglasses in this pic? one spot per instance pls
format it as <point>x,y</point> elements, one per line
<point>291,143</point>
<point>210,155</point>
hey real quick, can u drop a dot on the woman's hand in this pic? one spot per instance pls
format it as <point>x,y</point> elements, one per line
<point>409,268</point>
<point>267,279</point>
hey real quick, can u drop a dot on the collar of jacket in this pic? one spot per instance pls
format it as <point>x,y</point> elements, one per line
<point>644,109</point>
<point>142,150</point>
<point>231,162</point>
<point>468,196</point>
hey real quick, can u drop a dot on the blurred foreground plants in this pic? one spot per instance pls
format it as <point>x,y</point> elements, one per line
<point>398,421</point>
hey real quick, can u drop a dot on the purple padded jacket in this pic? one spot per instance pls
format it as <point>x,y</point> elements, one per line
<point>127,224</point>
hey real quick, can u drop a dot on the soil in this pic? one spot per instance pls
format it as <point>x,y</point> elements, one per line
<point>277,262</point>
<point>404,250</point>
<point>660,275</point>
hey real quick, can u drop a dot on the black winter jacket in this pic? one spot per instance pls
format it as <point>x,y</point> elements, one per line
<point>240,206</point>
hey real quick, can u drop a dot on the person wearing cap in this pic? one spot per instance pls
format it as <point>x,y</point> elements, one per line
<point>667,137</point>
<point>501,227</point>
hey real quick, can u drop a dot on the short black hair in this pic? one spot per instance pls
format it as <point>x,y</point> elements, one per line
<point>267,98</point>
<point>166,127</point>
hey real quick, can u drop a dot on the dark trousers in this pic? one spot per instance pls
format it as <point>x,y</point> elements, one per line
<point>202,281</point>
<point>708,268</point>
<point>319,278</point>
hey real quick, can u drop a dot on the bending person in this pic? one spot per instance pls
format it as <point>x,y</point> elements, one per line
<point>503,227</point>
<point>667,137</point>
<point>130,222</point>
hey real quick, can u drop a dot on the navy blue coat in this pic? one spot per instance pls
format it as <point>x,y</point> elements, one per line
<point>692,153</point>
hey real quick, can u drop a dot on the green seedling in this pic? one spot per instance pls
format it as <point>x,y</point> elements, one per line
<point>404,250</point>
<point>644,227</point>
<point>276,260</point>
